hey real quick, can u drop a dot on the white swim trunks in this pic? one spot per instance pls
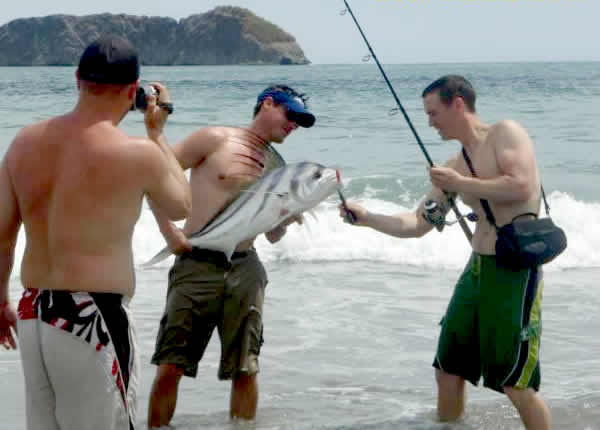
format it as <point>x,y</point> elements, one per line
<point>79,360</point>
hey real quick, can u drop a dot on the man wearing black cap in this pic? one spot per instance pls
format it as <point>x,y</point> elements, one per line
<point>205,290</point>
<point>77,183</point>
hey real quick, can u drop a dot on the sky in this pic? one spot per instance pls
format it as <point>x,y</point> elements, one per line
<point>400,31</point>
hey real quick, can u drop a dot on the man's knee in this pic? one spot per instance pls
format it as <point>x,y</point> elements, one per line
<point>520,396</point>
<point>168,375</point>
<point>451,389</point>
<point>243,382</point>
<point>447,381</point>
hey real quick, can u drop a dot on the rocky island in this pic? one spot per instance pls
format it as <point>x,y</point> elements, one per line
<point>224,35</point>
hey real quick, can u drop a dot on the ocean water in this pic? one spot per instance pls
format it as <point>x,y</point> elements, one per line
<point>351,316</point>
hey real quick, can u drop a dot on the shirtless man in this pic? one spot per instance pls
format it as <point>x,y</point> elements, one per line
<point>76,182</point>
<point>205,290</point>
<point>492,307</point>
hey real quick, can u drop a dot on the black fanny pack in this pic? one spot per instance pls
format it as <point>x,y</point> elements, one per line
<point>525,243</point>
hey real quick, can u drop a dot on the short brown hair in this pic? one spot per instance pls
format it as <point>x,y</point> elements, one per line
<point>451,86</point>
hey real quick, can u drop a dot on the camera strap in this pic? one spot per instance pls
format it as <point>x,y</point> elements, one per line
<point>484,203</point>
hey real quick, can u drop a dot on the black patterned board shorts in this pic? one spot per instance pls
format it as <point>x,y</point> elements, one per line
<point>207,291</point>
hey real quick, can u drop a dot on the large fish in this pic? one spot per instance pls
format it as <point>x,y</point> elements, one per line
<point>280,194</point>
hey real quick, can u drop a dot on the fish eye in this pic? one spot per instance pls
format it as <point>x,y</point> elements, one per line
<point>317,175</point>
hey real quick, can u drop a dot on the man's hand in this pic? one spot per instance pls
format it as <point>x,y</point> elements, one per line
<point>155,117</point>
<point>278,232</point>
<point>360,213</point>
<point>8,322</point>
<point>177,241</point>
<point>445,178</point>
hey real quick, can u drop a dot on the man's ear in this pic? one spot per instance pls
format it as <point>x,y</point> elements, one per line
<point>268,102</point>
<point>132,90</point>
<point>459,103</point>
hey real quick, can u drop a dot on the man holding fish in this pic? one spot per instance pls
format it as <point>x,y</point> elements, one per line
<point>217,278</point>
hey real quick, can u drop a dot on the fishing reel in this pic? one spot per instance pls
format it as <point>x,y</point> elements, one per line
<point>436,215</point>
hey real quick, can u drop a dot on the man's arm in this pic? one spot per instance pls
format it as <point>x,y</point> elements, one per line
<point>192,151</point>
<point>404,225</point>
<point>278,232</point>
<point>516,162</point>
<point>195,148</point>
<point>10,222</point>
<point>168,187</point>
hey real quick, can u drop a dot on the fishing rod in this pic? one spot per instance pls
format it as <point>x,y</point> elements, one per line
<point>450,199</point>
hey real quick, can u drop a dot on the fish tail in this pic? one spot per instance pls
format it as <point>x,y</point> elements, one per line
<point>164,253</point>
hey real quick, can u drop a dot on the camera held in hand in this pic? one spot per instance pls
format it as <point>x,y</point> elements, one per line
<point>141,103</point>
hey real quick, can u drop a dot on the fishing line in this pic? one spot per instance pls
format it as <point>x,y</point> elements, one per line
<point>459,216</point>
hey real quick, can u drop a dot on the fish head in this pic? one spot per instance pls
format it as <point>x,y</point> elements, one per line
<point>311,183</point>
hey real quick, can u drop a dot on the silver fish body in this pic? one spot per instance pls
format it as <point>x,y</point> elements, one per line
<point>278,195</point>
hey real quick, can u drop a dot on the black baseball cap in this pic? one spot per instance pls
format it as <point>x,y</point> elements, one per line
<point>110,59</point>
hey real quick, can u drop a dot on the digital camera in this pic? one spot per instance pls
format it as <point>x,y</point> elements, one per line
<point>140,102</point>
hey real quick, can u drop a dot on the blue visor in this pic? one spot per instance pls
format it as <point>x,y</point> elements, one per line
<point>295,109</point>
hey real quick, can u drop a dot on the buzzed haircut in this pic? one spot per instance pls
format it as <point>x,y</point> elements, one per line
<point>284,89</point>
<point>451,86</point>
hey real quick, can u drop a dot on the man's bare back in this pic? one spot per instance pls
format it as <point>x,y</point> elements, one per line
<point>79,188</point>
<point>77,184</point>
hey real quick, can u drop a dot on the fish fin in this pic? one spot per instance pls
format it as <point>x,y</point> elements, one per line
<point>306,225</point>
<point>312,214</point>
<point>164,253</point>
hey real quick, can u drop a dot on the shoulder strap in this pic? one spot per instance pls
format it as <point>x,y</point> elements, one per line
<point>545,201</point>
<point>484,203</point>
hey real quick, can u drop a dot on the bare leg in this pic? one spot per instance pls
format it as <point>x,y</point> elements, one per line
<point>244,397</point>
<point>451,396</point>
<point>531,407</point>
<point>163,396</point>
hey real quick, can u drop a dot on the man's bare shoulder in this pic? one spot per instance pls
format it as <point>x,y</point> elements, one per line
<point>199,145</point>
<point>213,135</point>
<point>27,138</point>
<point>507,131</point>
<point>140,148</point>
<point>34,130</point>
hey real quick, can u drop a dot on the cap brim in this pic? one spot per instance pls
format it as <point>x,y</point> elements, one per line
<point>302,117</point>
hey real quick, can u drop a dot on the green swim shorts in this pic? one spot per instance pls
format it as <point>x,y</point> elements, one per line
<point>493,326</point>
<point>206,291</point>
